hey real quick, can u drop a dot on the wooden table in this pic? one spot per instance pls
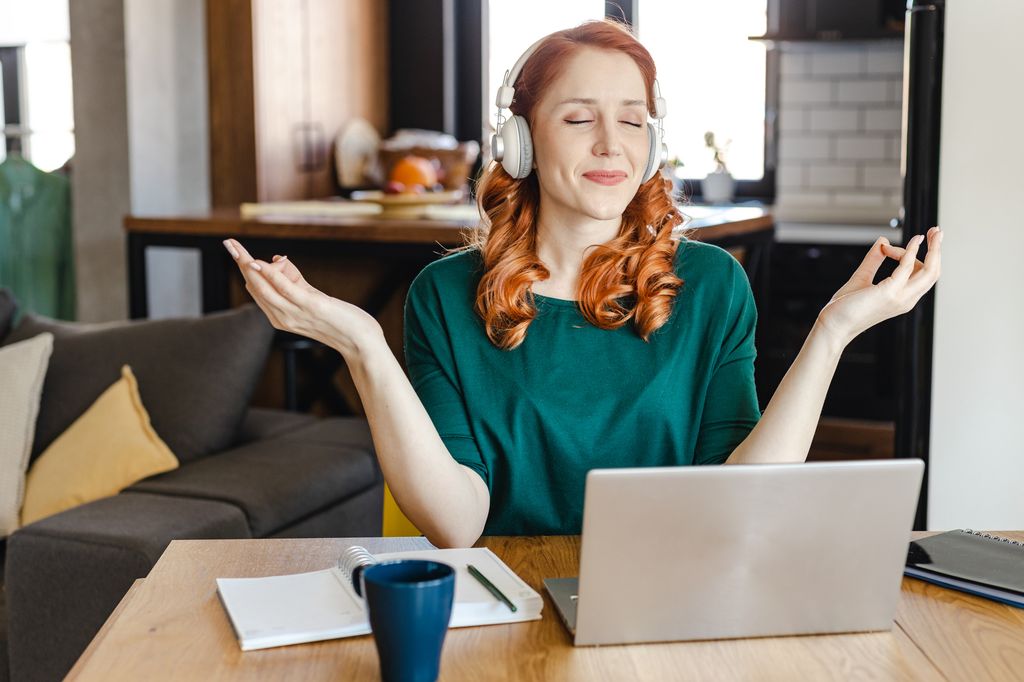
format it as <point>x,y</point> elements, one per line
<point>172,626</point>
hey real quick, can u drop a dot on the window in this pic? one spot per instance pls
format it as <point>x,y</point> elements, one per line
<point>712,78</point>
<point>35,78</point>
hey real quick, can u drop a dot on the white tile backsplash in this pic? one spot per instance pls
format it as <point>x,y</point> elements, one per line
<point>803,147</point>
<point>792,175</point>
<point>862,91</point>
<point>883,119</point>
<point>857,147</point>
<point>839,131</point>
<point>837,62</point>
<point>884,176</point>
<point>831,119</point>
<point>831,176</point>
<point>886,58</point>
<point>804,92</point>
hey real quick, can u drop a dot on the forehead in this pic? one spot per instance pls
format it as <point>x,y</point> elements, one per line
<point>604,75</point>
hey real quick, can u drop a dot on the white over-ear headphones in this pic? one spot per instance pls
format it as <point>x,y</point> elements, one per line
<point>512,145</point>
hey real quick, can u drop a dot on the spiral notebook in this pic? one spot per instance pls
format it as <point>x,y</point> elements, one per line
<point>970,561</point>
<point>310,607</point>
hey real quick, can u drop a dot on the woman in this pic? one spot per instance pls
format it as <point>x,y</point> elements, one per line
<point>577,332</point>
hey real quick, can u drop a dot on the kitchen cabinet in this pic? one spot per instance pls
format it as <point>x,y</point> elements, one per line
<point>284,77</point>
<point>858,414</point>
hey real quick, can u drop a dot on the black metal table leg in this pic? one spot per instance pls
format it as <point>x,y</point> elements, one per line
<point>138,304</point>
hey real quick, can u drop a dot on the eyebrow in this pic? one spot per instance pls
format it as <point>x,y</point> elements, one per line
<point>587,100</point>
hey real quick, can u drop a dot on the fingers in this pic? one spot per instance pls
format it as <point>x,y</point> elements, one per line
<point>896,253</point>
<point>934,238</point>
<point>873,260</point>
<point>274,274</point>
<point>266,296</point>
<point>926,275</point>
<point>907,260</point>
<point>289,269</point>
<point>237,252</point>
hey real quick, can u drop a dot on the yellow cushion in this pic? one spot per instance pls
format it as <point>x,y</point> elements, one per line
<point>395,522</point>
<point>104,451</point>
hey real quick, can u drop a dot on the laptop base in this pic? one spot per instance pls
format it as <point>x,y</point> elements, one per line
<point>564,593</point>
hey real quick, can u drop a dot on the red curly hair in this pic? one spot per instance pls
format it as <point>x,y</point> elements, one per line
<point>635,268</point>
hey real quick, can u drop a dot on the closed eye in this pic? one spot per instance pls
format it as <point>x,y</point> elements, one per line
<point>629,123</point>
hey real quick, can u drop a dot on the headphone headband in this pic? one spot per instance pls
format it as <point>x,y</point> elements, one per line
<point>506,91</point>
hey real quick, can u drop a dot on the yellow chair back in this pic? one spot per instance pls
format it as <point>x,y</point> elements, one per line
<point>395,523</point>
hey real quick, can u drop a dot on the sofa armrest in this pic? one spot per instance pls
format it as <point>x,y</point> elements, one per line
<point>66,573</point>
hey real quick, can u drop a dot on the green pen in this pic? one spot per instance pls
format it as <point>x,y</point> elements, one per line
<point>490,587</point>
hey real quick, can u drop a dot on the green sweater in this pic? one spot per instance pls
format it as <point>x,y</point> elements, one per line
<point>532,421</point>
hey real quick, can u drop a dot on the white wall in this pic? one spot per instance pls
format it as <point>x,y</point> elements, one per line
<point>977,430</point>
<point>142,133</point>
<point>168,135</point>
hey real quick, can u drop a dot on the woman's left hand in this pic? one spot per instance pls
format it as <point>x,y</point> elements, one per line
<point>860,304</point>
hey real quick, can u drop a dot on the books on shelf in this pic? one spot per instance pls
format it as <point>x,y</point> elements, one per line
<point>310,607</point>
<point>970,561</point>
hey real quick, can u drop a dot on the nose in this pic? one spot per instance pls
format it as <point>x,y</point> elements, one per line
<point>608,141</point>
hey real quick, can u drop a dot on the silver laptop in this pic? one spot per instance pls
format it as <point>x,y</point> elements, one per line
<point>687,553</point>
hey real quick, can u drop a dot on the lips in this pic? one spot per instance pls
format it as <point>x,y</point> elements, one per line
<point>605,177</point>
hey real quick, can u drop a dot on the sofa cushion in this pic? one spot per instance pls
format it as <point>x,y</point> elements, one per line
<point>261,422</point>
<point>8,307</point>
<point>195,375</point>
<point>22,371</point>
<point>279,481</point>
<point>107,449</point>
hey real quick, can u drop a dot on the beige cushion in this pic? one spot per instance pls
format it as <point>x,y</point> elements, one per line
<point>104,451</point>
<point>22,371</point>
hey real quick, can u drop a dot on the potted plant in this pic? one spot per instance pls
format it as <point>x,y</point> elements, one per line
<point>719,185</point>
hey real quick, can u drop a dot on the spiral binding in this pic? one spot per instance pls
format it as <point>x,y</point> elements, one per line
<point>992,537</point>
<point>352,562</point>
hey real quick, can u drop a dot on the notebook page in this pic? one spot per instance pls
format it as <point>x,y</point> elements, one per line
<point>474,604</point>
<point>292,609</point>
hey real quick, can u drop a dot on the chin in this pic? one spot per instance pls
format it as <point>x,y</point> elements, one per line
<point>605,210</point>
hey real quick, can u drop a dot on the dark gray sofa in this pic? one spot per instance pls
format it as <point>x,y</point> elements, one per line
<point>290,475</point>
<point>276,474</point>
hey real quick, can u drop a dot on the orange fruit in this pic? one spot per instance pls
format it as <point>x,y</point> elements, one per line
<point>414,170</point>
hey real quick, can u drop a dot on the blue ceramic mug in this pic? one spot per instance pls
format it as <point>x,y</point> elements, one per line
<point>410,604</point>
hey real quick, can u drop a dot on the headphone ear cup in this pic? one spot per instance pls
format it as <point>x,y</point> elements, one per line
<point>653,152</point>
<point>518,157</point>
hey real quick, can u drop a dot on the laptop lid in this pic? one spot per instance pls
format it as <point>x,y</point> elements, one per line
<point>685,553</point>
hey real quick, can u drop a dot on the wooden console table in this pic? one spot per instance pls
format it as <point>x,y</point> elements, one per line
<point>408,245</point>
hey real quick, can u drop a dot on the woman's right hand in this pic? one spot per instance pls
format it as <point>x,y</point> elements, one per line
<point>292,304</point>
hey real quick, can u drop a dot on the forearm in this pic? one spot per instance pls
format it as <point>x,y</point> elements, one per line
<point>785,430</point>
<point>444,499</point>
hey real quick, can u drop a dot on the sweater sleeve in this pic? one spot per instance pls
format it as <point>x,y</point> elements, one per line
<point>430,362</point>
<point>731,410</point>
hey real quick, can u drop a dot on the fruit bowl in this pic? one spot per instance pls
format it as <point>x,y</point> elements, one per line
<point>407,204</point>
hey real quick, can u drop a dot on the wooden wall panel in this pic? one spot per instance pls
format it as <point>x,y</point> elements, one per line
<point>318,64</point>
<point>232,125</point>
